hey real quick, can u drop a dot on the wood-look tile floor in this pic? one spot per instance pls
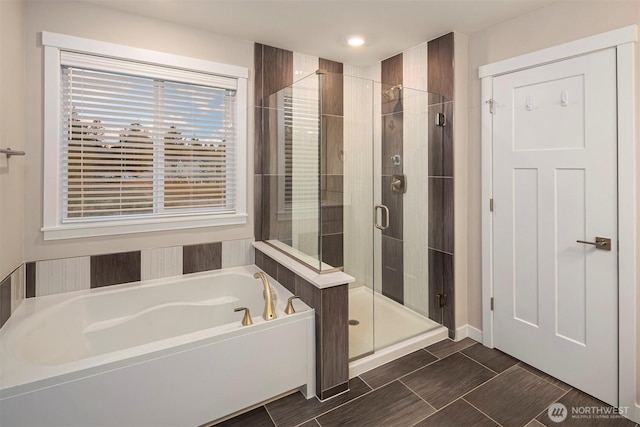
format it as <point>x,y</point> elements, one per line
<point>455,384</point>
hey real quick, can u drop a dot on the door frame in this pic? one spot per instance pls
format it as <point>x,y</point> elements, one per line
<point>624,41</point>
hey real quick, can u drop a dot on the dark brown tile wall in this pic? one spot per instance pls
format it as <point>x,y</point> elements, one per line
<point>331,164</point>
<point>393,269</point>
<point>113,269</point>
<point>273,70</point>
<point>332,88</point>
<point>392,144</point>
<point>391,75</point>
<point>30,279</point>
<point>335,339</point>
<point>331,306</point>
<point>203,257</point>
<point>440,66</point>
<point>441,175</point>
<point>5,300</point>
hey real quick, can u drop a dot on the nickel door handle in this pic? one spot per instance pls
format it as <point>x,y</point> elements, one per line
<point>603,243</point>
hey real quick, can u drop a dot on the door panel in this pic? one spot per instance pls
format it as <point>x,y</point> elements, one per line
<point>554,158</point>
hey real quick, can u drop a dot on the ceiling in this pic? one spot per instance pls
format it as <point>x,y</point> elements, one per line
<point>321,27</point>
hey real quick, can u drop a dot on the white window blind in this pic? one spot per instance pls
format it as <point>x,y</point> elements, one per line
<point>142,140</point>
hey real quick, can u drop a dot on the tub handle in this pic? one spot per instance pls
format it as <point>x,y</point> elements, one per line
<point>290,309</point>
<point>246,320</point>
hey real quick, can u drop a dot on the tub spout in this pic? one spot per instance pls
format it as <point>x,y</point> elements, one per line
<point>269,309</point>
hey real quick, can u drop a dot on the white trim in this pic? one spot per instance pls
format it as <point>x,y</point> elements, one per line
<point>51,135</point>
<point>624,40</point>
<point>79,44</point>
<point>53,227</point>
<point>487,218</point>
<point>563,51</point>
<point>468,331</point>
<point>111,228</point>
<point>627,231</point>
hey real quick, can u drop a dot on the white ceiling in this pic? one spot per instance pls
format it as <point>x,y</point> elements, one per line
<point>320,27</point>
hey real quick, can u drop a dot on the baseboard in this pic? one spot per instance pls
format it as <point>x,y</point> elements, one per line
<point>468,331</point>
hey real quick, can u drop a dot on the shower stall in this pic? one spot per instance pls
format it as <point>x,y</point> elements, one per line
<point>345,163</point>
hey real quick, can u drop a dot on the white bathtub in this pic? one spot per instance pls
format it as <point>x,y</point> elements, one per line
<point>167,352</point>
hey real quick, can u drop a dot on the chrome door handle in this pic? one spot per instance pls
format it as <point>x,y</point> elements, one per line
<point>386,217</point>
<point>603,243</point>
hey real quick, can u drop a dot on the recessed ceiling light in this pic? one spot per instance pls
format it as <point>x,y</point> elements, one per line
<point>355,41</point>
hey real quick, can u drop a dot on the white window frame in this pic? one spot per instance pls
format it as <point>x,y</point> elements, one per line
<point>53,226</point>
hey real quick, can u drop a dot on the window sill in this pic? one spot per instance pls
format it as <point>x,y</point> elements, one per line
<point>111,228</point>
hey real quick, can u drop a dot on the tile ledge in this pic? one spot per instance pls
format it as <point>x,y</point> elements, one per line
<point>320,281</point>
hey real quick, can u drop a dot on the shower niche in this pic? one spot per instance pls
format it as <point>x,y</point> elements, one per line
<point>346,187</point>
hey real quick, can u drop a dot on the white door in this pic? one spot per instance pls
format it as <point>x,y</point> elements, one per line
<point>554,183</point>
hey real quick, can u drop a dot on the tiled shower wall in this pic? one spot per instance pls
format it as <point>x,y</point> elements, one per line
<point>49,277</point>
<point>392,149</point>
<point>276,69</point>
<point>407,260</point>
<point>441,280</point>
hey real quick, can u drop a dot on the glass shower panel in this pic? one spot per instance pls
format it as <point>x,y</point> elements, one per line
<point>358,188</point>
<point>291,166</point>
<point>346,163</point>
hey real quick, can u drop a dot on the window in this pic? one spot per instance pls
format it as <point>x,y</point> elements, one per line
<point>140,145</point>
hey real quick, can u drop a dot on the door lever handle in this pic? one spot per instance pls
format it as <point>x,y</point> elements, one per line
<point>603,243</point>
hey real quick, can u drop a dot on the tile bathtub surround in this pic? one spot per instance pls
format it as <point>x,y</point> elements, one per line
<point>17,287</point>
<point>113,269</point>
<point>12,293</point>
<point>203,257</point>
<point>5,300</point>
<point>161,262</point>
<point>398,394</point>
<point>332,335</point>
<point>63,275</point>
<point>71,274</point>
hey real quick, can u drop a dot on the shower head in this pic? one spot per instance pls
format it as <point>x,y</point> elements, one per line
<point>390,94</point>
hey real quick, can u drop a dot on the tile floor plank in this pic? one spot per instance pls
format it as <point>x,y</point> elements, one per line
<point>447,347</point>
<point>391,405</point>
<point>459,413</point>
<point>446,380</point>
<point>514,397</point>
<point>398,368</point>
<point>556,382</point>
<point>490,357</point>
<point>255,418</point>
<point>295,408</point>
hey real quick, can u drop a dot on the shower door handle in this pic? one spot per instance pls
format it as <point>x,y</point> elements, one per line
<point>386,217</point>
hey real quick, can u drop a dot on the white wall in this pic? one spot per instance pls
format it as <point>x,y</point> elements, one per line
<point>12,124</point>
<point>94,22</point>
